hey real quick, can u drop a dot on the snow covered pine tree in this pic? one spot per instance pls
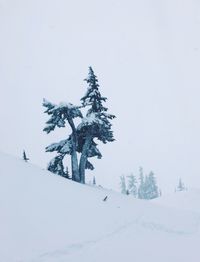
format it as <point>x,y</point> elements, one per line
<point>148,188</point>
<point>123,185</point>
<point>95,125</point>
<point>141,185</point>
<point>151,189</point>
<point>181,186</point>
<point>94,181</point>
<point>132,185</point>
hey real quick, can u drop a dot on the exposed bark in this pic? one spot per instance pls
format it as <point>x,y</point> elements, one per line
<point>74,164</point>
<point>83,158</point>
<point>74,159</point>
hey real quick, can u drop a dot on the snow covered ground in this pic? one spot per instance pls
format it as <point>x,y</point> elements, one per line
<point>45,218</point>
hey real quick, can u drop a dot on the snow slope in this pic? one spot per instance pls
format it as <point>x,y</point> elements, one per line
<point>45,218</point>
<point>187,200</point>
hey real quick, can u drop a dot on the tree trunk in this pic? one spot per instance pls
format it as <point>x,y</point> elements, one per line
<point>74,164</point>
<point>83,159</point>
<point>74,159</point>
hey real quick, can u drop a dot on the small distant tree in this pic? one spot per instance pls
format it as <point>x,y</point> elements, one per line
<point>25,157</point>
<point>181,186</point>
<point>123,185</point>
<point>66,173</point>
<point>148,188</point>
<point>94,180</point>
<point>132,185</point>
<point>141,187</point>
<point>151,188</point>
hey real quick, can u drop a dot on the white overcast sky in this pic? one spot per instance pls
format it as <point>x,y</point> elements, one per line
<point>146,55</point>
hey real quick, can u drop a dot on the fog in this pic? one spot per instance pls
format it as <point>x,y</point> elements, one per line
<point>146,56</point>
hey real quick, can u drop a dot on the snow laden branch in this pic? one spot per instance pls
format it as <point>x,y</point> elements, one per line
<point>59,116</point>
<point>95,125</point>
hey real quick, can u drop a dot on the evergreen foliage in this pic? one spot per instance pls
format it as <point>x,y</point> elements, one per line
<point>60,115</point>
<point>56,166</point>
<point>132,185</point>
<point>181,186</point>
<point>145,188</point>
<point>95,125</point>
<point>97,121</point>
<point>25,157</point>
<point>94,180</point>
<point>123,185</point>
<point>66,173</point>
<point>141,187</point>
<point>150,186</point>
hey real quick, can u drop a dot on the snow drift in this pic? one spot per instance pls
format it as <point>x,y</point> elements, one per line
<point>46,218</point>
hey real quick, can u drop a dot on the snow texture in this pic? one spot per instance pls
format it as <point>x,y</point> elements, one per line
<point>47,218</point>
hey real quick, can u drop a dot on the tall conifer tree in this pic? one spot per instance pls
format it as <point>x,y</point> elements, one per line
<point>96,124</point>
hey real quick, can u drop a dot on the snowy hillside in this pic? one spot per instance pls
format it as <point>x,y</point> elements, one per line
<point>186,200</point>
<point>45,218</point>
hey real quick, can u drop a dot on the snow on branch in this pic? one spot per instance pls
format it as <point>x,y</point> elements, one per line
<point>64,147</point>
